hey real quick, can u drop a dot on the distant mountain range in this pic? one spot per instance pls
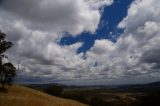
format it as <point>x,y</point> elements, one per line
<point>130,87</point>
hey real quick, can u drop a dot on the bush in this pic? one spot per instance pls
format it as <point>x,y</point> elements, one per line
<point>55,90</point>
<point>98,102</point>
<point>151,100</point>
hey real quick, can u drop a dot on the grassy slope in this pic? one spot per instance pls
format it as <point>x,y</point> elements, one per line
<point>23,96</point>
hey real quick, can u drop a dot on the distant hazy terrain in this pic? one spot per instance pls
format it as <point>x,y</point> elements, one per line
<point>122,95</point>
<point>23,96</point>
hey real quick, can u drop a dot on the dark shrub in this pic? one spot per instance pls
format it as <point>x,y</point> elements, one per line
<point>151,100</point>
<point>55,90</point>
<point>81,98</point>
<point>97,102</point>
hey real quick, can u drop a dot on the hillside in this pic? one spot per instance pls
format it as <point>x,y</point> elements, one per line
<point>23,96</point>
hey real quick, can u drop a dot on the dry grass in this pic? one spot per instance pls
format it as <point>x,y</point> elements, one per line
<point>23,96</point>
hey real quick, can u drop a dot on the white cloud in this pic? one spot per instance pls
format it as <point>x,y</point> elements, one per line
<point>38,24</point>
<point>35,26</point>
<point>136,53</point>
<point>96,4</point>
<point>73,16</point>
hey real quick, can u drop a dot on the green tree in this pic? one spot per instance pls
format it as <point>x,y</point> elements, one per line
<point>7,70</point>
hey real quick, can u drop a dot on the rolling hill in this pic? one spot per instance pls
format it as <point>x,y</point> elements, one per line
<point>23,96</point>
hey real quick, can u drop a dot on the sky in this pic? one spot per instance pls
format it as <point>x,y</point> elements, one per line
<point>83,42</point>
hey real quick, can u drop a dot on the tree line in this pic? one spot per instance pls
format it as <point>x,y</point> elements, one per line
<point>7,70</point>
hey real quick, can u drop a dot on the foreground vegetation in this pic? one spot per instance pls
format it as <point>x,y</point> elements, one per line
<point>23,96</point>
<point>7,70</point>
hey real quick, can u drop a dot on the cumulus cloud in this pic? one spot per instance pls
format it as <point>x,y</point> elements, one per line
<point>136,53</point>
<point>73,16</point>
<point>35,26</point>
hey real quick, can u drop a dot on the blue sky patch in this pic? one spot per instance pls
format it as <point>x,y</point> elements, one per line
<point>107,29</point>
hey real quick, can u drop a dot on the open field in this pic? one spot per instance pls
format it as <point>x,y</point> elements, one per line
<point>23,96</point>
